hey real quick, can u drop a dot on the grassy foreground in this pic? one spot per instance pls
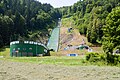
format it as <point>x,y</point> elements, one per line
<point>56,60</point>
<point>53,59</point>
<point>49,60</point>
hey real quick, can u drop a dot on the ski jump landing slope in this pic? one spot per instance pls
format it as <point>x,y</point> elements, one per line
<point>53,42</point>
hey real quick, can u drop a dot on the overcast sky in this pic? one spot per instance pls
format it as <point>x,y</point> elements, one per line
<point>59,3</point>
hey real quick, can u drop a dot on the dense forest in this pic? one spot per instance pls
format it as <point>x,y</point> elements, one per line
<point>25,20</point>
<point>98,20</point>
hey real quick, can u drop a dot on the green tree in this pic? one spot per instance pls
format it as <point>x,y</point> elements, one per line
<point>19,24</point>
<point>89,8</point>
<point>19,18</point>
<point>111,38</point>
<point>1,42</point>
<point>6,25</point>
<point>90,15</point>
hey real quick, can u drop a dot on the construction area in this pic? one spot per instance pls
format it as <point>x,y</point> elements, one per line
<point>67,41</point>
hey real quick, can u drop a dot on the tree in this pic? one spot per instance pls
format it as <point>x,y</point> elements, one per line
<point>89,8</point>
<point>6,25</point>
<point>89,16</point>
<point>19,18</point>
<point>19,24</point>
<point>1,42</point>
<point>111,38</point>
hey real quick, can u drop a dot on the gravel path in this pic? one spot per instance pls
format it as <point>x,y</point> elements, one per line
<point>29,71</point>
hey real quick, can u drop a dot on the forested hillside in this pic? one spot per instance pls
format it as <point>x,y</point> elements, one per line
<point>90,16</point>
<point>98,20</point>
<point>25,20</point>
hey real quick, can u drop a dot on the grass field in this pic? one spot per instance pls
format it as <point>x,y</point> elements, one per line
<point>54,67</point>
<point>55,59</point>
<point>69,61</point>
<point>10,70</point>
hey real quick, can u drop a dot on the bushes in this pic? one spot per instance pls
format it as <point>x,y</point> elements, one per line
<point>94,57</point>
<point>113,59</point>
<point>109,59</point>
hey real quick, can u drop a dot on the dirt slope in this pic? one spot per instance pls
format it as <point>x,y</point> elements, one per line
<point>72,38</point>
<point>75,39</point>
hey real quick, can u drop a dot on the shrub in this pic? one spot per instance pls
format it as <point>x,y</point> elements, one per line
<point>113,59</point>
<point>93,57</point>
<point>100,57</point>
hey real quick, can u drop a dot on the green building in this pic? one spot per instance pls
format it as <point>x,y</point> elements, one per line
<point>27,48</point>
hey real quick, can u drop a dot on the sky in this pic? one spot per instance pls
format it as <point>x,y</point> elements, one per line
<point>59,3</point>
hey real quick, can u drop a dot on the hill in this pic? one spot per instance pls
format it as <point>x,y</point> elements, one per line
<point>98,20</point>
<point>89,16</point>
<point>26,20</point>
<point>74,39</point>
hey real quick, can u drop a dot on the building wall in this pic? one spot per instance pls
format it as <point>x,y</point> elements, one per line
<point>27,49</point>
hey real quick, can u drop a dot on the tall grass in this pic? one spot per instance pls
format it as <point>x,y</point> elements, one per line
<point>64,60</point>
<point>5,52</point>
